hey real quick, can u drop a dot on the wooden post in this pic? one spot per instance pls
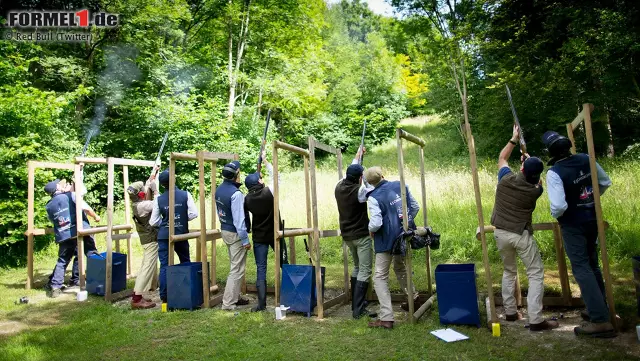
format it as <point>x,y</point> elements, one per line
<point>596,197</point>
<point>307,187</point>
<point>77,172</point>
<point>562,265</point>
<point>571,138</point>
<point>117,241</point>
<point>30,223</point>
<point>276,221</point>
<point>127,215</point>
<point>292,250</point>
<point>212,264</point>
<point>316,232</point>
<point>172,204</point>
<point>405,225</point>
<point>423,184</point>
<point>203,230</point>
<point>485,251</point>
<point>110,189</point>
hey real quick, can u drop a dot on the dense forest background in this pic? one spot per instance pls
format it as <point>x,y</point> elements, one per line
<point>207,71</point>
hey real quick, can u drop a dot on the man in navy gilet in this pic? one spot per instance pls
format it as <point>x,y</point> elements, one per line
<point>61,211</point>
<point>230,204</point>
<point>571,198</point>
<point>385,225</point>
<point>184,211</point>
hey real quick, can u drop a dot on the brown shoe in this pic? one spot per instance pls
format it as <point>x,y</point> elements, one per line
<point>599,330</point>
<point>515,317</point>
<point>543,326</point>
<point>383,324</point>
<point>142,305</point>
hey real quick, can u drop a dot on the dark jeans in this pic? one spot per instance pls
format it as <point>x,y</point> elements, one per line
<point>182,250</point>
<point>260,250</point>
<point>66,250</point>
<point>580,243</point>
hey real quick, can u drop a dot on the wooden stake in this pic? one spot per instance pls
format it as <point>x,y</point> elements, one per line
<point>316,233</point>
<point>110,189</point>
<point>562,265</point>
<point>292,250</point>
<point>203,226</point>
<point>596,197</point>
<point>30,222</point>
<point>423,184</point>
<point>307,187</point>
<point>127,214</point>
<point>405,225</point>
<point>214,213</point>
<point>77,172</point>
<point>276,221</point>
<point>172,204</point>
<point>571,138</point>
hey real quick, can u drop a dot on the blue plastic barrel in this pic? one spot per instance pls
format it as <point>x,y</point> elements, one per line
<point>97,271</point>
<point>457,294</point>
<point>184,286</point>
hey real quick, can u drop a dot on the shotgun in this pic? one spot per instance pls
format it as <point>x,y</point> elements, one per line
<point>264,141</point>
<point>523,144</point>
<point>306,247</point>
<point>156,166</point>
<point>364,129</point>
<point>284,255</point>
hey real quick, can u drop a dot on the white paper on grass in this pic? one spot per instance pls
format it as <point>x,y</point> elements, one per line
<point>449,335</point>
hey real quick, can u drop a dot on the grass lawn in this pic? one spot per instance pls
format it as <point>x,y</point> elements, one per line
<point>64,329</point>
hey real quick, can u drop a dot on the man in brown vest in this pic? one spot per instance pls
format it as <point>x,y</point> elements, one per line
<point>516,197</point>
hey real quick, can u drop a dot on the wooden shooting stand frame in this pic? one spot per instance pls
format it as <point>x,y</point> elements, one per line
<point>110,228</point>
<point>203,234</point>
<point>400,135</point>
<point>567,300</point>
<point>344,298</point>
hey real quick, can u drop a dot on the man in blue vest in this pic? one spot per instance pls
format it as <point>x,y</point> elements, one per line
<point>385,225</point>
<point>571,198</point>
<point>61,212</point>
<point>184,211</point>
<point>232,214</point>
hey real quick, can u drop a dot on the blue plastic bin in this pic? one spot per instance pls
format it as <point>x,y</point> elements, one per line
<point>97,271</point>
<point>298,287</point>
<point>184,286</point>
<point>457,294</point>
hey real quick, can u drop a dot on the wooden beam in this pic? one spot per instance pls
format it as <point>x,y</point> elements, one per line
<point>291,148</point>
<point>104,229</point>
<point>571,138</point>
<point>550,301</point>
<point>405,224</point>
<point>109,262</point>
<point>215,156</point>
<point>608,285</point>
<point>410,137</point>
<point>88,160</point>
<point>581,116</point>
<point>127,215</point>
<point>77,175</point>
<point>214,213</point>
<point>295,232</point>
<point>211,234</point>
<point>562,265</point>
<point>203,225</point>
<point>276,221</point>
<point>30,221</point>
<point>343,298</point>
<point>326,148</point>
<point>423,186</point>
<point>122,294</point>
<point>172,205</point>
<point>425,306</point>
<point>51,165</point>
<point>292,250</point>
<point>134,162</point>
<point>316,233</point>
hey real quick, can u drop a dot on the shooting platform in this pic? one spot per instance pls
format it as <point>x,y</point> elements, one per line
<point>567,300</point>
<point>203,234</point>
<point>400,136</point>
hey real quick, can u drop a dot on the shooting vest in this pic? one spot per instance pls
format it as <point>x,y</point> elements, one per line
<point>354,222</point>
<point>223,202</point>
<point>141,218</point>
<point>515,202</point>
<point>578,190</point>
<point>390,202</point>
<point>61,212</point>
<point>259,201</point>
<point>181,217</point>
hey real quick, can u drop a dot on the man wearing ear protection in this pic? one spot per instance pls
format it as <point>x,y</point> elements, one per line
<point>142,195</point>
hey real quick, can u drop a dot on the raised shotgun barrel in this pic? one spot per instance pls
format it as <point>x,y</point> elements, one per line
<point>264,140</point>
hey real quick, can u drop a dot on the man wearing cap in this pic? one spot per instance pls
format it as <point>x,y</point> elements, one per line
<point>516,197</point>
<point>385,225</point>
<point>259,202</point>
<point>571,198</point>
<point>142,195</point>
<point>61,212</point>
<point>184,211</point>
<point>230,204</point>
<point>351,196</point>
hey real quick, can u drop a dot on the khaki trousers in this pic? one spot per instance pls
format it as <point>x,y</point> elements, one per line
<point>148,268</point>
<point>238,262</point>
<point>381,282</point>
<point>509,244</point>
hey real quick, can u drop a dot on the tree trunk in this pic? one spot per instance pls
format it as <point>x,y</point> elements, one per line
<point>232,84</point>
<point>610,150</point>
<point>233,73</point>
